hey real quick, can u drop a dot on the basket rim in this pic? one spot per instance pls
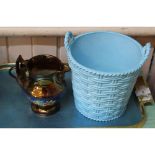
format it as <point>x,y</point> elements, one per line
<point>102,73</point>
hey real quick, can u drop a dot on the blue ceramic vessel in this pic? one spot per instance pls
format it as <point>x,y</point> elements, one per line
<point>105,66</point>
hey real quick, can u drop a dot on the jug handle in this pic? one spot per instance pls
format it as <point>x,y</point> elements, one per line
<point>16,67</point>
<point>68,39</point>
<point>146,51</point>
<point>10,72</point>
<point>18,61</point>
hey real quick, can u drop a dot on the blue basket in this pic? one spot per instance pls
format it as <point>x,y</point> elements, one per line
<point>105,66</point>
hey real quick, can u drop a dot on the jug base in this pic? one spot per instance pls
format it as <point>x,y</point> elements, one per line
<point>45,110</point>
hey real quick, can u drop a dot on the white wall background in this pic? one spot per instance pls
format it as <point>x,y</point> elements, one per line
<point>11,47</point>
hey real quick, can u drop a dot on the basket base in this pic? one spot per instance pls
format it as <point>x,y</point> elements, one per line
<point>97,118</point>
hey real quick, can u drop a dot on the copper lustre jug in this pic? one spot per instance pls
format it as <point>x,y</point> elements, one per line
<point>42,79</point>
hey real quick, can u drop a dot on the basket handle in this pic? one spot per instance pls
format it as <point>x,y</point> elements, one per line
<point>146,51</point>
<point>68,39</point>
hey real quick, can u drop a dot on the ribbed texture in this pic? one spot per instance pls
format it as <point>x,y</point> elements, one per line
<point>101,97</point>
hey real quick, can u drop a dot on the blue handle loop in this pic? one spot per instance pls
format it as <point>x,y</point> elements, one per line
<point>68,39</point>
<point>146,51</point>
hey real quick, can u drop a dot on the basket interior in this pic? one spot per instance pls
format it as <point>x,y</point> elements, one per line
<point>107,52</point>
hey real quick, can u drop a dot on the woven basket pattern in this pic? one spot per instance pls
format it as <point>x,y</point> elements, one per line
<point>98,96</point>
